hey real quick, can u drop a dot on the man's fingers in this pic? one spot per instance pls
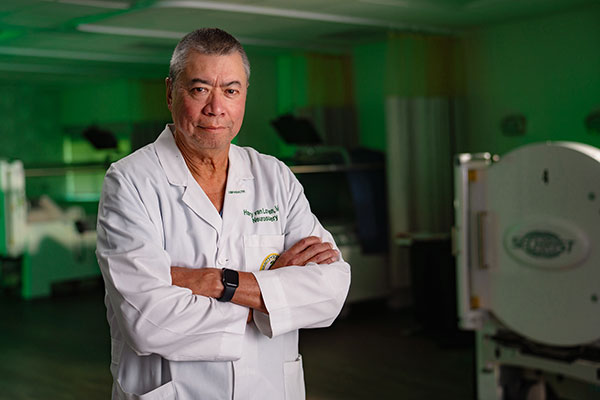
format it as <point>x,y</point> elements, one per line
<point>325,257</point>
<point>316,253</point>
<point>309,249</point>
<point>303,244</point>
<point>291,255</point>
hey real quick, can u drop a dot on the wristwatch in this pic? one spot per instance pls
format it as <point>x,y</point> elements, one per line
<point>231,281</point>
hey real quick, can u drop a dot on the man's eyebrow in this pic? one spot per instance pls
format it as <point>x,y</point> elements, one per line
<point>205,82</point>
<point>198,80</point>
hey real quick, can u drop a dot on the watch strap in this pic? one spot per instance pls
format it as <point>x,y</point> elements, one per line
<point>230,282</point>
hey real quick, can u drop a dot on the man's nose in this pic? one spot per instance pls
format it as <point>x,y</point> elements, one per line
<point>214,105</point>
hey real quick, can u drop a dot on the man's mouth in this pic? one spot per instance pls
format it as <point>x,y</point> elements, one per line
<point>211,127</point>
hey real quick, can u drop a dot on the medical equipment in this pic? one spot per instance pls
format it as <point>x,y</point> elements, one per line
<point>61,247</point>
<point>13,208</point>
<point>528,269</point>
<point>346,191</point>
<point>354,212</point>
<point>12,222</point>
<point>43,246</point>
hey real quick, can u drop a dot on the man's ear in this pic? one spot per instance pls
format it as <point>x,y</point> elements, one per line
<point>169,87</point>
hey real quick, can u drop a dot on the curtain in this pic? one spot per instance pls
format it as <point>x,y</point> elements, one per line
<point>421,118</point>
<point>420,172</point>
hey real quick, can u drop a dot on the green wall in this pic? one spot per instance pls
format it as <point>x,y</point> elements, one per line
<point>261,104</point>
<point>547,69</point>
<point>370,84</point>
<point>30,129</point>
<point>113,101</point>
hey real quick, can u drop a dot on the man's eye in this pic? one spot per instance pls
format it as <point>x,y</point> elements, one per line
<point>231,92</point>
<point>198,90</point>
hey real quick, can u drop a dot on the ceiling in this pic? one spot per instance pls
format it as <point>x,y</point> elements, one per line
<point>82,36</point>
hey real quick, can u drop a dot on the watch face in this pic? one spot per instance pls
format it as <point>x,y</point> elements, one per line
<point>230,278</point>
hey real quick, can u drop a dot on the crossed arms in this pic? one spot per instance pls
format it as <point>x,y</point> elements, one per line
<point>207,281</point>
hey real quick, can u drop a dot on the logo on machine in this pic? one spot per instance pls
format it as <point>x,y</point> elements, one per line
<point>544,244</point>
<point>547,243</point>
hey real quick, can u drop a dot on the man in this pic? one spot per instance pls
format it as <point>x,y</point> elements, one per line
<point>210,255</point>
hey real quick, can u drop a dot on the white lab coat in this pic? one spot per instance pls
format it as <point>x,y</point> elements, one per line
<point>170,344</point>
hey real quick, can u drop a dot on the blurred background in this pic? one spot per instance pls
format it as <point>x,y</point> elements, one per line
<point>367,101</point>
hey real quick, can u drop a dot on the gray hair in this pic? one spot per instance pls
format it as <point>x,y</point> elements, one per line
<point>212,41</point>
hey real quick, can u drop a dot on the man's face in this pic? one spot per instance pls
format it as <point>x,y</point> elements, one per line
<point>208,100</point>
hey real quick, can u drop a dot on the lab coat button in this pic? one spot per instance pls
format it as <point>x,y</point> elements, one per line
<point>222,260</point>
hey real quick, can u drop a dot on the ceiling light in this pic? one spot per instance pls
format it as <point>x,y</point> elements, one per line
<point>161,34</point>
<point>117,30</point>
<point>96,3</point>
<point>291,13</point>
<point>79,55</point>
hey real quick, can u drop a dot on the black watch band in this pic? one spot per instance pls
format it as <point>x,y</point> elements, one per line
<point>230,281</point>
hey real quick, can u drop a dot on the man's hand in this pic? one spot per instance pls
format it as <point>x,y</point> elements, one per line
<point>201,281</point>
<point>207,282</point>
<point>307,250</point>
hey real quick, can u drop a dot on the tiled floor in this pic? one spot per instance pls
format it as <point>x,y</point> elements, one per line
<point>58,348</point>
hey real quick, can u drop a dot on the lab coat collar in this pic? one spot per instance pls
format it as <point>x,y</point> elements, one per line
<point>178,174</point>
<point>194,197</point>
<point>176,169</point>
<point>171,159</point>
<point>238,165</point>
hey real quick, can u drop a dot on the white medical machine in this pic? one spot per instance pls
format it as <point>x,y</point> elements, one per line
<point>46,243</point>
<point>527,245</point>
<point>13,208</point>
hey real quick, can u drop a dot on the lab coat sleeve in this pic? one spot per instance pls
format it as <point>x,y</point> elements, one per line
<point>308,296</point>
<point>153,315</point>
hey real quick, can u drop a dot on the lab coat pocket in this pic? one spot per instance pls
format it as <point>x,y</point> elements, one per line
<point>294,380</point>
<point>163,392</point>
<point>261,251</point>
